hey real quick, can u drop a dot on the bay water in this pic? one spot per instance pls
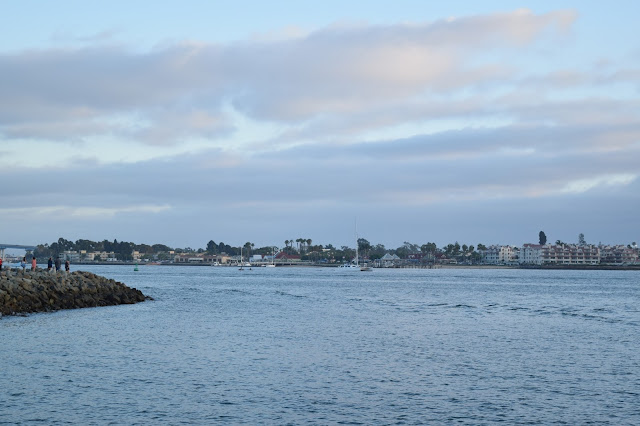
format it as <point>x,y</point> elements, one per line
<point>328,346</point>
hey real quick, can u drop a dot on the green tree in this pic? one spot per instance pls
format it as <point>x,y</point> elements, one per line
<point>581,240</point>
<point>542,238</point>
<point>247,249</point>
<point>402,252</point>
<point>157,248</point>
<point>363,247</point>
<point>377,251</point>
<point>212,248</point>
<point>428,248</point>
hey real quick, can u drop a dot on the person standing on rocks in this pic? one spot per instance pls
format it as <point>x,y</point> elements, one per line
<point>23,263</point>
<point>0,264</point>
<point>49,264</point>
<point>66,266</point>
<point>34,262</point>
<point>58,263</point>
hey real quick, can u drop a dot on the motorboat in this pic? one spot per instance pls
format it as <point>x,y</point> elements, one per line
<point>351,266</point>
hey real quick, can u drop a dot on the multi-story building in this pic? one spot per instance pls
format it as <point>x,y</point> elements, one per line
<point>619,254</point>
<point>570,254</point>
<point>101,255</point>
<point>499,255</point>
<point>531,254</point>
<point>200,258</point>
<point>71,256</point>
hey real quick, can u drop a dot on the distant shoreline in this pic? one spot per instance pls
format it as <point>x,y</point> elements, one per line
<point>436,266</point>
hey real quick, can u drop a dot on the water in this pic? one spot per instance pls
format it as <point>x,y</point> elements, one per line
<point>324,346</point>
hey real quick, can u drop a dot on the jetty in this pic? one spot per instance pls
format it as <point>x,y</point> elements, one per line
<point>27,291</point>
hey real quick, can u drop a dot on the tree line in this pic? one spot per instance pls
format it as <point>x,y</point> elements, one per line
<point>122,249</point>
<point>302,247</point>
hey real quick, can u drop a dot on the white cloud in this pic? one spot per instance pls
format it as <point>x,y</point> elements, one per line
<point>180,92</point>
<point>77,212</point>
<point>584,185</point>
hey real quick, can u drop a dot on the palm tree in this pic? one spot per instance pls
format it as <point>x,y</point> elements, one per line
<point>286,245</point>
<point>308,243</point>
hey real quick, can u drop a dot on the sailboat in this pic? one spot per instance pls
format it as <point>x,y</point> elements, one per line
<point>273,259</point>
<point>243,264</point>
<point>354,265</point>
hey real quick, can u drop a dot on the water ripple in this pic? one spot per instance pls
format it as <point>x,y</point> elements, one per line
<point>312,346</point>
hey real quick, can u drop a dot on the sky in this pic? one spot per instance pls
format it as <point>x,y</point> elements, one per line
<point>183,122</point>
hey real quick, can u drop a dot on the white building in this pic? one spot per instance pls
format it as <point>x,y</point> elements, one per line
<point>570,254</point>
<point>71,256</point>
<point>531,254</point>
<point>619,254</point>
<point>499,255</point>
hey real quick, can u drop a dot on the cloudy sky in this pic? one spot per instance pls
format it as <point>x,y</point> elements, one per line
<point>182,122</point>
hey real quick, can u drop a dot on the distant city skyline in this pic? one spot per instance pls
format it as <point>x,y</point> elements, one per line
<point>180,123</point>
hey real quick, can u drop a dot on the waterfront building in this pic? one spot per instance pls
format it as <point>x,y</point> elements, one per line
<point>618,255</point>
<point>285,257</point>
<point>531,254</point>
<point>387,261</point>
<point>570,254</point>
<point>71,256</point>
<point>499,255</point>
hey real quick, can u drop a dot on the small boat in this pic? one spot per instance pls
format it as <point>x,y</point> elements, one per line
<point>366,268</point>
<point>350,266</point>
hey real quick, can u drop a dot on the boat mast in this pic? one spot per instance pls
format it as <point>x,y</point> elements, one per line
<point>356,229</point>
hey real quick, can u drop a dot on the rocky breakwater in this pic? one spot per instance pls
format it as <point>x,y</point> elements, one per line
<point>43,291</point>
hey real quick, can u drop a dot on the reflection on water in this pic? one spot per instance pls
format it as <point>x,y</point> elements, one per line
<point>298,345</point>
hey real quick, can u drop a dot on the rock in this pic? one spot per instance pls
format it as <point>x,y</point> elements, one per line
<point>40,290</point>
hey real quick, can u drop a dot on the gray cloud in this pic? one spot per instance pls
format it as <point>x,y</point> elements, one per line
<point>454,178</point>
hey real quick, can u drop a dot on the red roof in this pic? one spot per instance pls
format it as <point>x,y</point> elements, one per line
<point>283,255</point>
